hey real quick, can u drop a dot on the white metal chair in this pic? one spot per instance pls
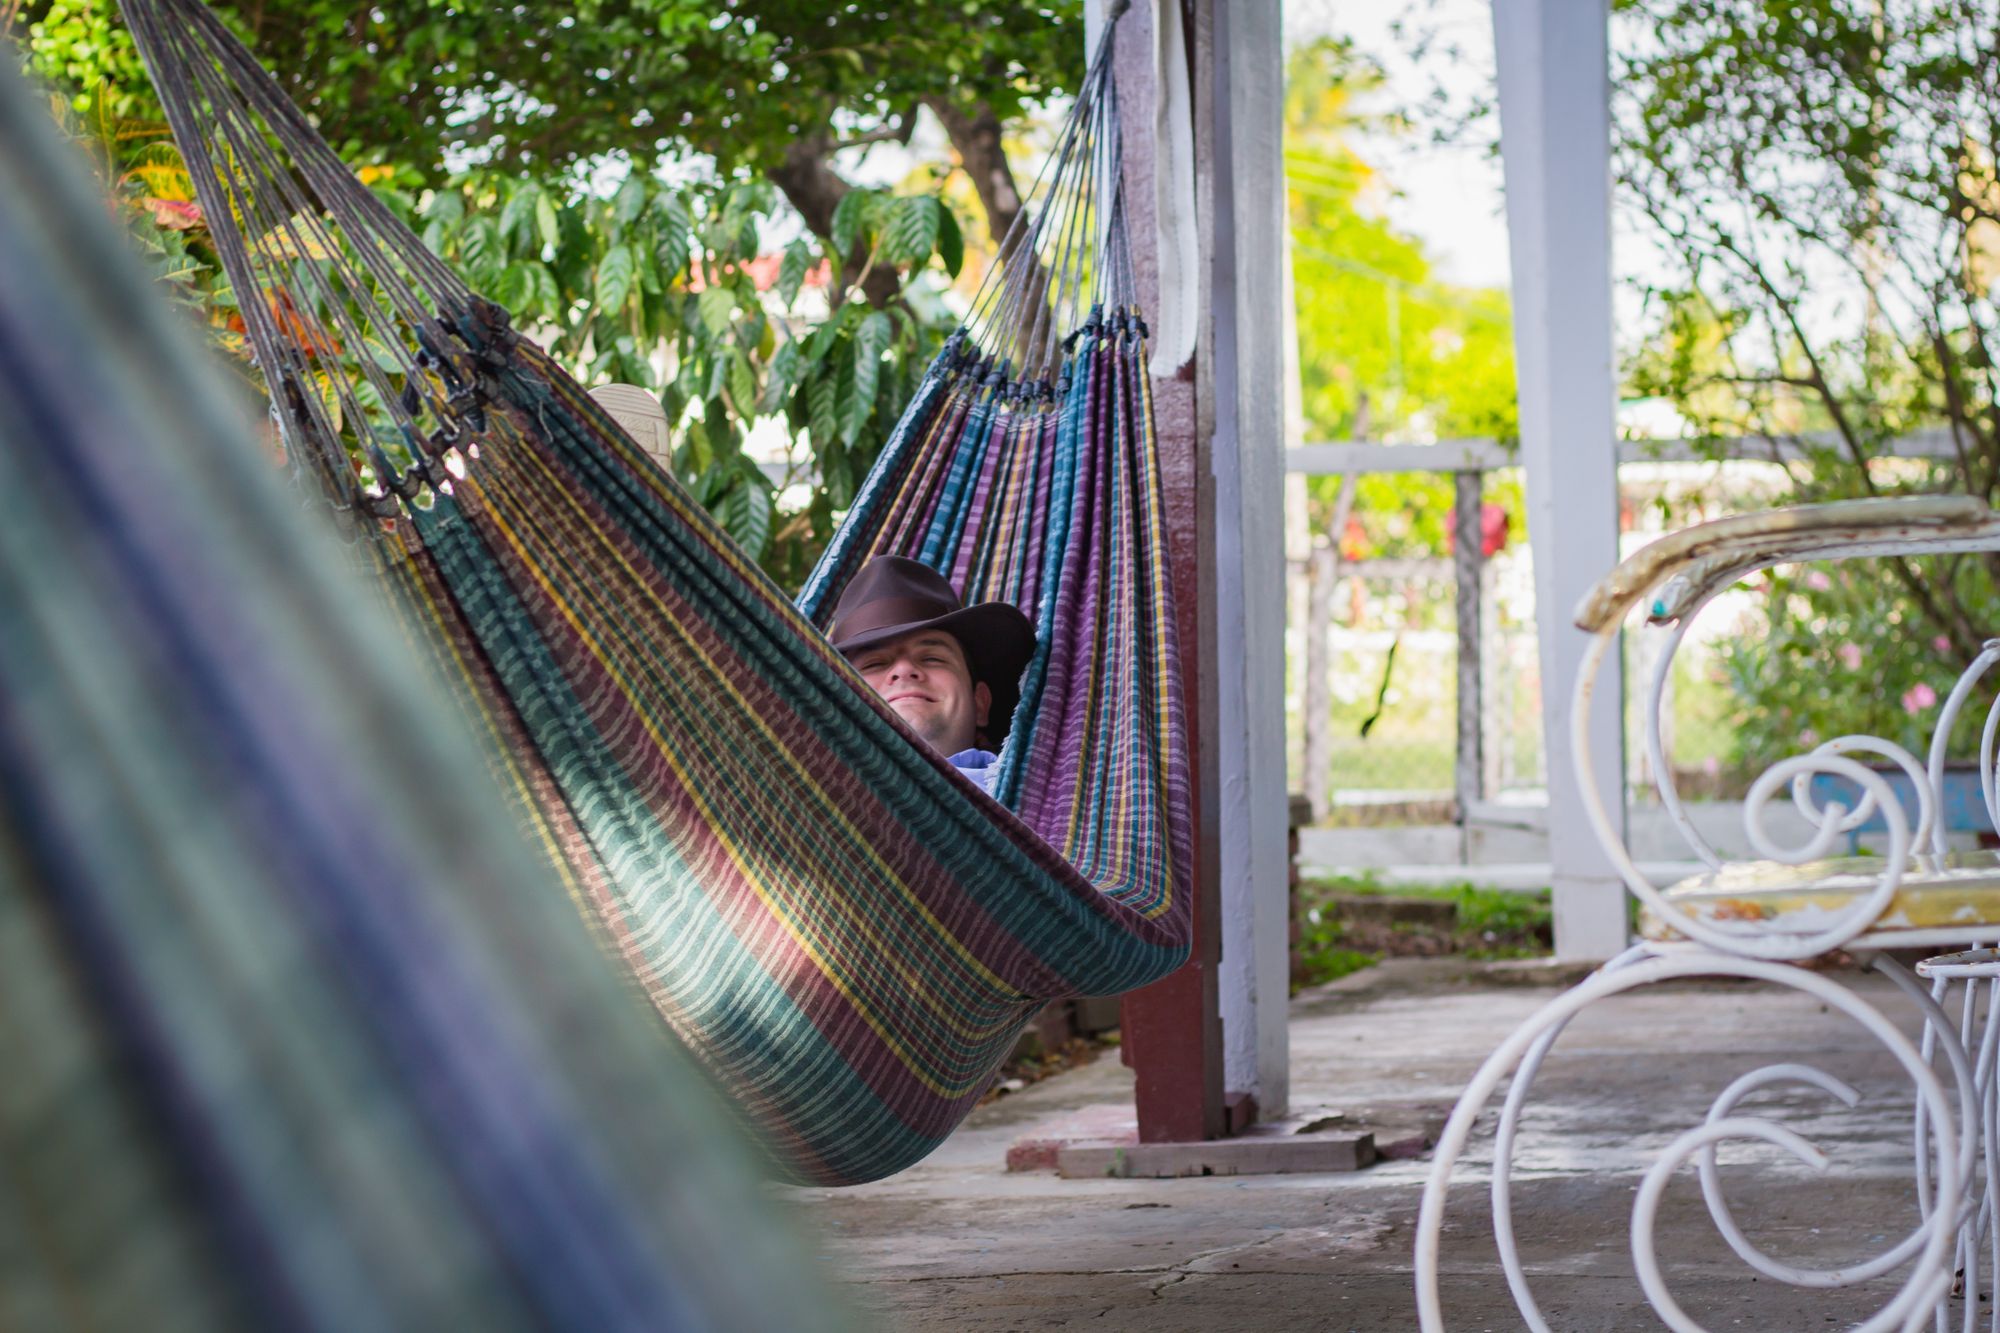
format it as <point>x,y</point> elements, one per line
<point>1757,919</point>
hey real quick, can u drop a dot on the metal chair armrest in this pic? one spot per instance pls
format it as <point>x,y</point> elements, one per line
<point>1709,555</point>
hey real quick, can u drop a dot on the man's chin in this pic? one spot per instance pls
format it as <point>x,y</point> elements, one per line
<point>920,722</point>
<point>928,731</point>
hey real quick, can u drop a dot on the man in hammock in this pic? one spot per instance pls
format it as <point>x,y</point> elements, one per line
<point>953,672</point>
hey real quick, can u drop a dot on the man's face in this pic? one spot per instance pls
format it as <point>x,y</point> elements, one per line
<point>923,677</point>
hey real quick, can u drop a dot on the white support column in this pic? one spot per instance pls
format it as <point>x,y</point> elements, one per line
<point>1555,140</point>
<point>1249,465</point>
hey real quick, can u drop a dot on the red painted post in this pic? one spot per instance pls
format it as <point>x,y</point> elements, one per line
<point>1172,1030</point>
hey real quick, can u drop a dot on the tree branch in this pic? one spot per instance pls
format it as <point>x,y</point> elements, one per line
<point>900,132</point>
<point>815,189</point>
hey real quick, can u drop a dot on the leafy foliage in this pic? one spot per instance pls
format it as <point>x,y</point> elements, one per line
<point>1429,359</point>
<point>650,285</point>
<point>668,288</point>
<point>544,88</point>
<point>142,174</point>
<point>1826,656</point>
<point>493,128</point>
<point>1336,938</point>
<point>1386,352</point>
<point>1819,179</point>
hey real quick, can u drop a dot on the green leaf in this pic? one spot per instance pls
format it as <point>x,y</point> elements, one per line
<point>718,308</point>
<point>837,480</point>
<point>672,400</point>
<point>722,431</point>
<point>517,217</point>
<point>446,206</point>
<point>696,454</point>
<point>479,249</point>
<point>747,510</point>
<point>676,230</point>
<point>850,408</point>
<point>780,375</point>
<point>742,385</point>
<point>617,273</point>
<point>950,242</point>
<point>823,339</point>
<point>822,410</point>
<point>850,219</point>
<point>629,365</point>
<point>912,233</point>
<point>735,212</point>
<point>709,487</point>
<point>577,255</point>
<point>630,201</point>
<point>870,341</point>
<point>547,299</point>
<point>792,272</point>
<point>718,379</point>
<point>514,289</point>
<point>649,279</point>
<point>545,220</point>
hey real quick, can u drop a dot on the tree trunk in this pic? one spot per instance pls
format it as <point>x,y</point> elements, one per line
<point>976,135</point>
<point>815,189</point>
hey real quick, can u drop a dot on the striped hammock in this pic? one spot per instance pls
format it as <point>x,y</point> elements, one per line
<point>845,933</point>
<point>292,1033</point>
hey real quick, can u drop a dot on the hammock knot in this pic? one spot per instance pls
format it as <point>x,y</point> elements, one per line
<point>489,333</point>
<point>422,472</point>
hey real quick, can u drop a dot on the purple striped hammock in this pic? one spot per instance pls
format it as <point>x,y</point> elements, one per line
<point>843,931</point>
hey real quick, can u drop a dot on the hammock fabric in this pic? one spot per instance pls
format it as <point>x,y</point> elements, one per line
<point>844,932</point>
<point>292,1033</point>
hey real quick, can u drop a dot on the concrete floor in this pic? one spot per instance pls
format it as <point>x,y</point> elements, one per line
<point>958,1243</point>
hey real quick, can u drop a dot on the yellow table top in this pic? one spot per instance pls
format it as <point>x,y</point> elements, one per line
<point>1961,890</point>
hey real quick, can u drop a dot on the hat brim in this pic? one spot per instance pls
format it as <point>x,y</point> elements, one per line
<point>998,640</point>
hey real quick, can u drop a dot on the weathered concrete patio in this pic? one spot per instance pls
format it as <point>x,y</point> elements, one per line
<point>958,1243</point>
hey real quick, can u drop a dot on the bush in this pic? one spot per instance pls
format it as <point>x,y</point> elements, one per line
<point>1835,652</point>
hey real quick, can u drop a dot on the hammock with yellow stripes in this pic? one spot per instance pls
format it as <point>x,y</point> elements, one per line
<point>844,932</point>
<point>292,1034</point>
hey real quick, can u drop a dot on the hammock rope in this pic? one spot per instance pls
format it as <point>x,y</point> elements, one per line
<point>263,1071</point>
<point>845,934</point>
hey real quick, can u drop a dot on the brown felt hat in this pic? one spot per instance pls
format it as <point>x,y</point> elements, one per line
<point>892,596</point>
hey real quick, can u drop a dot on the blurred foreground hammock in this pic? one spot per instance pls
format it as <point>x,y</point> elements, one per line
<point>844,932</point>
<point>292,1033</point>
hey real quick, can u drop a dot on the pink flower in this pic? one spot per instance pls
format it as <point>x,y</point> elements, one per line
<point>1818,581</point>
<point>1849,655</point>
<point>1941,644</point>
<point>1918,697</point>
